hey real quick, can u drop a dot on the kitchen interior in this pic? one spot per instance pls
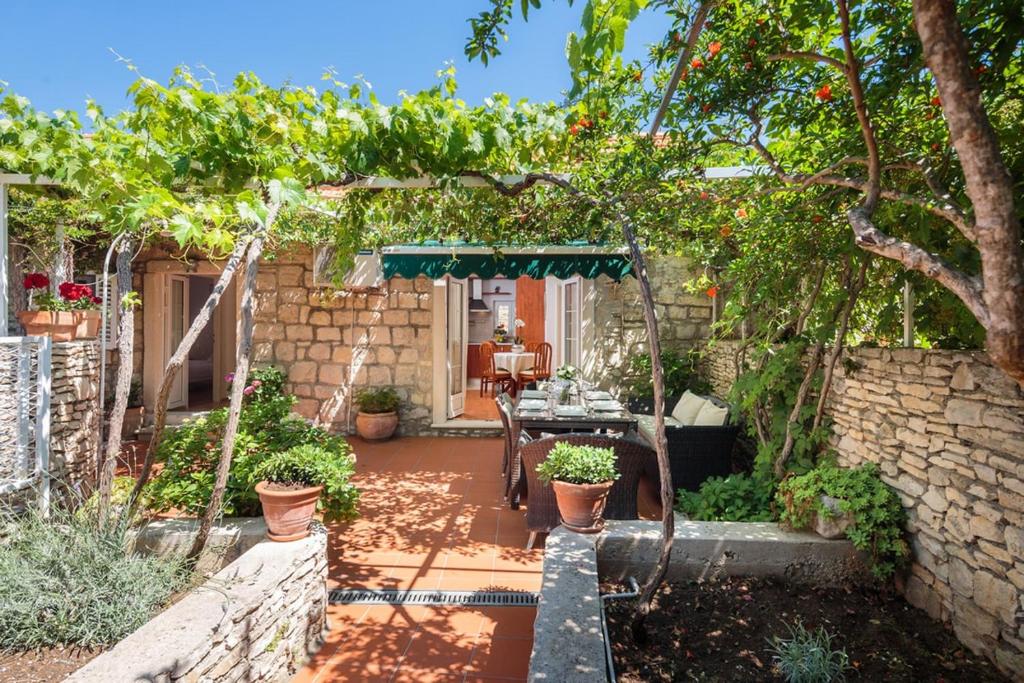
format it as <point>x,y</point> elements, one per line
<point>495,302</point>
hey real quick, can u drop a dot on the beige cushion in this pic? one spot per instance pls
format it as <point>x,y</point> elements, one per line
<point>645,425</point>
<point>688,407</point>
<point>711,415</point>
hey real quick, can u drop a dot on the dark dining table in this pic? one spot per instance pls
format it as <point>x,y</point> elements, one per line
<point>547,421</point>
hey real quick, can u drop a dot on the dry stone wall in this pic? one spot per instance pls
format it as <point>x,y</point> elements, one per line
<point>74,413</point>
<point>258,619</point>
<point>947,431</point>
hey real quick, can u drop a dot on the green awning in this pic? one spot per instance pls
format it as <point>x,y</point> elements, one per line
<point>562,262</point>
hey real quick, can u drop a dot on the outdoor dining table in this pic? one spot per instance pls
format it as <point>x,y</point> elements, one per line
<point>545,421</point>
<point>513,361</point>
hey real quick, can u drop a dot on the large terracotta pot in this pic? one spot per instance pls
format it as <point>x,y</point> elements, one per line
<point>581,505</point>
<point>88,324</point>
<point>376,426</point>
<point>58,325</point>
<point>133,417</point>
<point>288,513</point>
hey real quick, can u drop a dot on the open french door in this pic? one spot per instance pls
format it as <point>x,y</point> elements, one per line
<point>457,331</point>
<point>176,324</point>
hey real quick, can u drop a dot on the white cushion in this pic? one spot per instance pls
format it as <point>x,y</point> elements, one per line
<point>711,415</point>
<point>688,407</point>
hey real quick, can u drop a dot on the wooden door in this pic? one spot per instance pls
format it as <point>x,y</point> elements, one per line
<point>530,308</point>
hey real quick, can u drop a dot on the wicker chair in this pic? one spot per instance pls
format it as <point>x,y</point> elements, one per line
<point>632,458</point>
<point>541,369</point>
<point>500,378</point>
<point>695,453</point>
<point>504,402</point>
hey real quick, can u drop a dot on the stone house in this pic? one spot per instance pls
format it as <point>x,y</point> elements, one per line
<point>333,341</point>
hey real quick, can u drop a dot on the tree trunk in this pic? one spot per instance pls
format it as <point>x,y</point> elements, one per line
<point>178,359</point>
<point>125,346</point>
<point>252,266</point>
<point>987,181</point>
<point>650,587</point>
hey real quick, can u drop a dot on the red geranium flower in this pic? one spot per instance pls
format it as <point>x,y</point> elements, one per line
<point>69,291</point>
<point>712,291</point>
<point>36,281</point>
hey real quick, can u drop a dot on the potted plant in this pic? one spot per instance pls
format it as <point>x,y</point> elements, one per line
<point>517,341</point>
<point>84,307</point>
<point>293,482</point>
<point>377,417</point>
<point>48,316</point>
<point>581,476</point>
<point>135,413</point>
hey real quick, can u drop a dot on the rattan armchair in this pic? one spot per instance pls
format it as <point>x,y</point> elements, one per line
<point>632,457</point>
<point>504,402</point>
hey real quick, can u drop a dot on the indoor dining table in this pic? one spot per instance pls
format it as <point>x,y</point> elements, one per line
<point>514,361</point>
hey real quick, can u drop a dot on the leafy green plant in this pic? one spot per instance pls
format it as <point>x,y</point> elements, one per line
<point>69,581</point>
<point>190,453</point>
<point>378,400</point>
<point>310,465</point>
<point>568,373</point>
<point>736,498</point>
<point>808,657</point>
<point>878,517</point>
<point>578,465</point>
<point>680,374</point>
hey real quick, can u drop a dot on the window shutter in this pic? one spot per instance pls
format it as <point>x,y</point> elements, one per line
<point>110,303</point>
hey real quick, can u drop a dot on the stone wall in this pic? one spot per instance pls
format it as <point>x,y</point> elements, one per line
<point>75,414</point>
<point>258,619</point>
<point>947,431</point>
<point>684,319</point>
<point>332,343</point>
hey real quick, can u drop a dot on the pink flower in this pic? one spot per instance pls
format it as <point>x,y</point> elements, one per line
<point>229,378</point>
<point>248,390</point>
<point>257,383</point>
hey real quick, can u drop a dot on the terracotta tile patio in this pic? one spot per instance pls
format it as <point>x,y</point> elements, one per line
<point>431,516</point>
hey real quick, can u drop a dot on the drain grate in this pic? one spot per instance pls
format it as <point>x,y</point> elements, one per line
<point>426,597</point>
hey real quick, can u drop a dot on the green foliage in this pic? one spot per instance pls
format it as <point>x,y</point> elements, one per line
<point>310,465</point>
<point>378,400</point>
<point>67,581</point>
<point>736,498</point>
<point>190,453</point>
<point>680,371</point>
<point>878,516</point>
<point>808,656</point>
<point>567,372</point>
<point>578,465</point>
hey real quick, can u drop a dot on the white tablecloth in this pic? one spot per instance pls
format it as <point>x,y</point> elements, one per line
<point>513,362</point>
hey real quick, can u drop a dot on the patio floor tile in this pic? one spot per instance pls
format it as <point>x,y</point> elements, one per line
<point>431,516</point>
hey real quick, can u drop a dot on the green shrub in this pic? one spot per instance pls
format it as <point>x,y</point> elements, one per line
<point>808,657</point>
<point>736,498</point>
<point>190,453</point>
<point>315,466</point>
<point>578,465</point>
<point>66,581</point>
<point>378,400</point>
<point>878,517</point>
<point>680,374</point>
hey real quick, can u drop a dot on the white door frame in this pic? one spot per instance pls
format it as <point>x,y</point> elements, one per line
<point>179,389</point>
<point>554,323</point>
<point>456,299</point>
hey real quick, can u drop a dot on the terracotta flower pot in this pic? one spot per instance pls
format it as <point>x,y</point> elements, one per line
<point>581,505</point>
<point>376,426</point>
<point>88,324</point>
<point>288,513</point>
<point>133,418</point>
<point>58,325</point>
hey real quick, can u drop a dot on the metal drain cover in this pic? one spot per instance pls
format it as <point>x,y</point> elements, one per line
<point>426,597</point>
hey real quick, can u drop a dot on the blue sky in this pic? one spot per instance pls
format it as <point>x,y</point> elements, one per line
<point>58,53</point>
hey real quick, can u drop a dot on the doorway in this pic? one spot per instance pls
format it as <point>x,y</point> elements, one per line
<point>179,299</point>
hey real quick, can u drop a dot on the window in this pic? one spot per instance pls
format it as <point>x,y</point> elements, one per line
<point>503,315</point>
<point>571,323</point>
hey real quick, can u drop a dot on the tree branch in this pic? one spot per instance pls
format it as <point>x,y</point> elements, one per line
<point>811,56</point>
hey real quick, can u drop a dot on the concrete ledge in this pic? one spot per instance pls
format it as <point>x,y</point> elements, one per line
<point>712,550</point>
<point>228,540</point>
<point>567,641</point>
<point>568,644</point>
<point>255,620</point>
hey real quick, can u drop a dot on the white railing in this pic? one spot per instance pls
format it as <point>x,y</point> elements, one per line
<point>25,415</point>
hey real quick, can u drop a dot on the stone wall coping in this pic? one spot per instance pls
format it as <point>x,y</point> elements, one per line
<point>174,641</point>
<point>228,539</point>
<point>568,644</point>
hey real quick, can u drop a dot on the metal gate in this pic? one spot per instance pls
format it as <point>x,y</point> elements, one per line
<point>25,416</point>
